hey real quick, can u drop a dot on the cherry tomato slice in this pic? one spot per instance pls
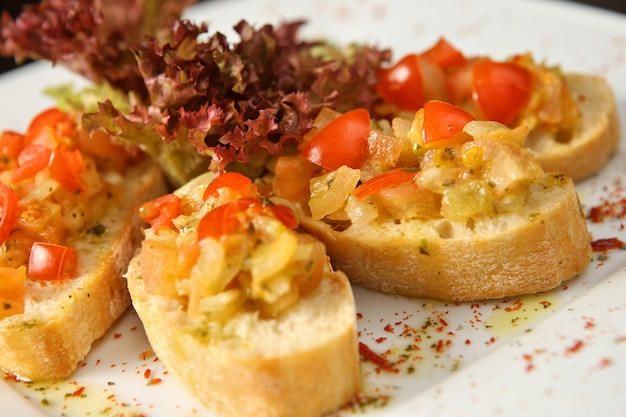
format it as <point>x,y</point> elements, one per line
<point>8,211</point>
<point>227,219</point>
<point>285,214</point>
<point>160,212</point>
<point>50,262</point>
<point>388,179</point>
<point>501,89</point>
<point>234,180</point>
<point>402,84</point>
<point>344,141</point>
<point>443,120</point>
<point>444,54</point>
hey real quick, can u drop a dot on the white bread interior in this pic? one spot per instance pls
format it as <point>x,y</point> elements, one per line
<point>303,363</point>
<point>62,320</point>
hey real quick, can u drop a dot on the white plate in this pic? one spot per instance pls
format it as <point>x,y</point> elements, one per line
<point>559,353</point>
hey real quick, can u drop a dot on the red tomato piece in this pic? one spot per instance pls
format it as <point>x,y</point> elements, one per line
<point>402,84</point>
<point>501,89</point>
<point>344,141</point>
<point>8,211</point>
<point>388,179</point>
<point>49,125</point>
<point>31,160</point>
<point>160,212</point>
<point>65,167</point>
<point>234,180</point>
<point>227,219</point>
<point>291,178</point>
<point>217,223</point>
<point>444,54</point>
<point>11,144</point>
<point>443,120</point>
<point>163,263</point>
<point>285,214</point>
<point>50,262</point>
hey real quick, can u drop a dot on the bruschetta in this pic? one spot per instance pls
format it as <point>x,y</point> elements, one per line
<point>68,227</point>
<point>443,206</point>
<point>234,300</point>
<point>572,118</point>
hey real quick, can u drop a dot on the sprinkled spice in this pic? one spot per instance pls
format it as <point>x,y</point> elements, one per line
<point>78,392</point>
<point>517,305</point>
<point>578,344</point>
<point>608,210</point>
<point>146,354</point>
<point>604,362</point>
<point>603,245</point>
<point>370,356</point>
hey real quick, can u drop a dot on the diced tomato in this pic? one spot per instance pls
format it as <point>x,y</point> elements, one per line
<point>11,144</point>
<point>31,160</point>
<point>443,120</point>
<point>233,180</point>
<point>65,167</point>
<point>42,220</point>
<point>501,89</point>
<point>50,262</point>
<point>341,142</point>
<point>8,211</point>
<point>48,126</point>
<point>444,54</point>
<point>162,263</point>
<point>106,153</point>
<point>12,290</point>
<point>291,178</point>
<point>388,179</point>
<point>403,84</point>
<point>160,212</point>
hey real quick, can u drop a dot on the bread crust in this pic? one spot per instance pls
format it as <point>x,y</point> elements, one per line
<point>303,363</point>
<point>62,320</point>
<point>594,139</point>
<point>529,252</point>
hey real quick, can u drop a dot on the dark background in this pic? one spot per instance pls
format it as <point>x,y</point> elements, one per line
<point>14,7</point>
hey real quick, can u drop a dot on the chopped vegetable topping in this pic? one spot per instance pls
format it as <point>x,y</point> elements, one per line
<point>50,183</point>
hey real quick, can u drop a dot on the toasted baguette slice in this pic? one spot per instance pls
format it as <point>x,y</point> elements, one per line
<point>302,363</point>
<point>535,249</point>
<point>62,320</point>
<point>595,137</point>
